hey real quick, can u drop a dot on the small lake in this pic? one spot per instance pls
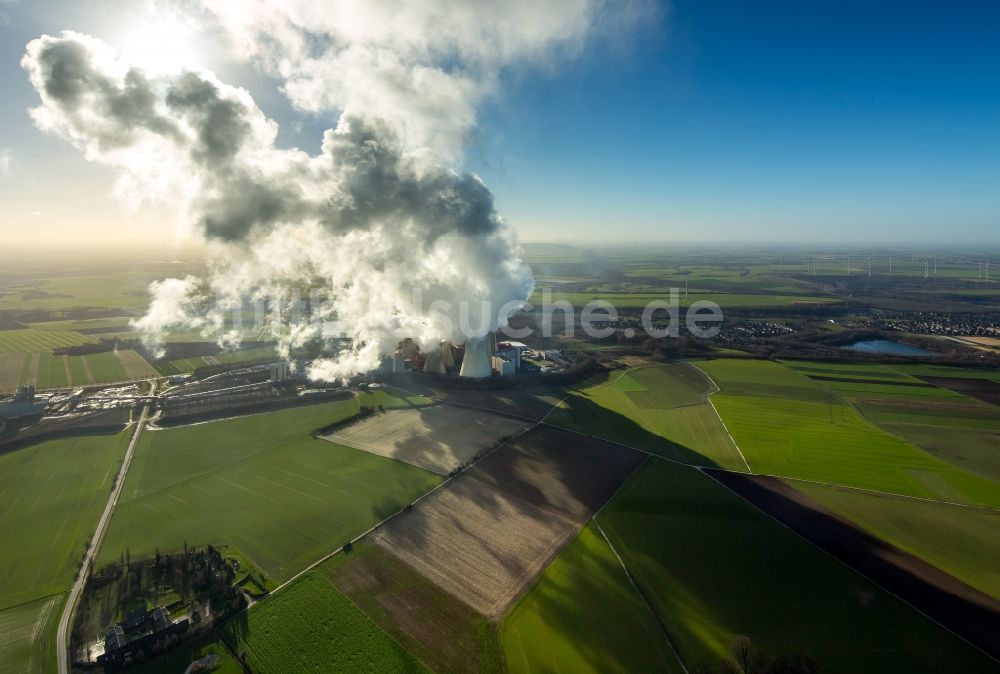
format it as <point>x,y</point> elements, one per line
<point>888,347</point>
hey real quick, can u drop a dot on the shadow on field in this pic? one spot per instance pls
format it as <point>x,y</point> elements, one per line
<point>532,402</point>
<point>15,442</point>
<point>487,534</point>
<point>587,578</point>
<point>965,610</point>
<point>581,414</point>
<point>235,632</point>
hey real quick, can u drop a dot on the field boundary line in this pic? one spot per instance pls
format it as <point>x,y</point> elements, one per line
<point>557,406</point>
<point>721,420</point>
<point>891,494</point>
<point>843,563</point>
<point>628,574</point>
<point>381,522</point>
<point>656,618</point>
<point>62,645</point>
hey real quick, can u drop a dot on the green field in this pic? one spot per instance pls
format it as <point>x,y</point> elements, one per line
<point>51,371</point>
<point>585,616</point>
<point>114,290</point>
<point>714,567</point>
<point>51,495</point>
<point>36,341</point>
<point>310,627</point>
<point>46,371</point>
<point>243,355</point>
<point>791,426</point>
<point>660,408</point>
<point>961,541</point>
<point>977,451</point>
<point>261,484</point>
<point>112,325</point>
<point>106,367</point>
<point>960,429</point>
<point>638,300</point>
<point>189,365</point>
<point>27,636</point>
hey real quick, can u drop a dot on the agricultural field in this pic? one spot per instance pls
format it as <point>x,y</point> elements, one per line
<point>977,451</point>
<point>438,438</point>
<point>263,484</point>
<point>532,404</point>
<point>136,367</point>
<point>957,428</point>
<point>311,627</point>
<point>961,541</point>
<point>585,616</point>
<point>27,636</point>
<point>47,371</point>
<point>127,291</point>
<point>189,365</point>
<point>714,567</point>
<point>87,326</point>
<point>627,300</point>
<point>662,409</point>
<point>485,535</point>
<point>791,426</point>
<point>430,623</point>
<point>37,341</point>
<point>51,494</point>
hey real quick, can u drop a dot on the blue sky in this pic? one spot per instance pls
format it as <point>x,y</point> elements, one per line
<point>777,121</point>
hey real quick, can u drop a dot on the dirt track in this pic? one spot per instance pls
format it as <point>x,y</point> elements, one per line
<point>964,610</point>
<point>488,533</point>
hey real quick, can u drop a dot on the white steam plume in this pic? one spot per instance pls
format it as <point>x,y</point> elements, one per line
<point>355,228</point>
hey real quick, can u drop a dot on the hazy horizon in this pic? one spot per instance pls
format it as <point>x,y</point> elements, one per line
<point>658,122</point>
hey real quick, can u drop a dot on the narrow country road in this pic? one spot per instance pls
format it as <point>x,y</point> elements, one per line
<point>62,636</point>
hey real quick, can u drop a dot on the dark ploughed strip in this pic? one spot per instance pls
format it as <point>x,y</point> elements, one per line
<point>971,614</point>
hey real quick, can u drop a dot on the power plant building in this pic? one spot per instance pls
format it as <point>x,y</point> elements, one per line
<point>21,406</point>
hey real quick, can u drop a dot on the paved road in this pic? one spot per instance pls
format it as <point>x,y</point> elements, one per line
<point>62,636</point>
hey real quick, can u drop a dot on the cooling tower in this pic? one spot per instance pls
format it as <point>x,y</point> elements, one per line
<point>477,358</point>
<point>434,363</point>
<point>448,354</point>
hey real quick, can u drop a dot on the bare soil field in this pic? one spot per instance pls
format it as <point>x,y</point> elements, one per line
<point>10,370</point>
<point>983,389</point>
<point>973,615</point>
<point>135,365</point>
<point>442,631</point>
<point>438,438</point>
<point>487,534</point>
